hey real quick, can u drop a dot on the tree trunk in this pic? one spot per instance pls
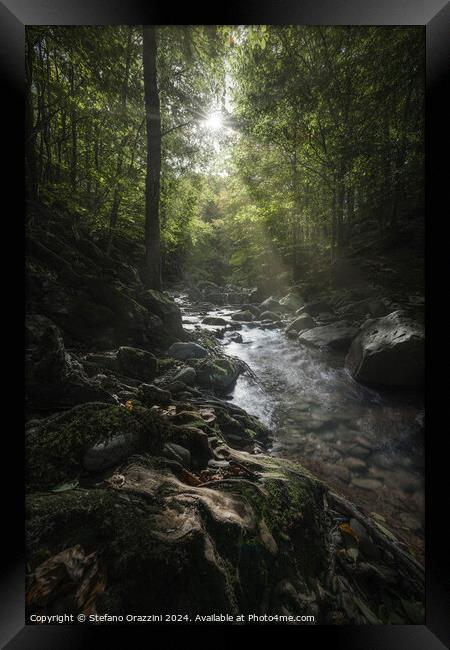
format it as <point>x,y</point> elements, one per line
<point>114,214</point>
<point>152,183</point>
<point>340,210</point>
<point>333,226</point>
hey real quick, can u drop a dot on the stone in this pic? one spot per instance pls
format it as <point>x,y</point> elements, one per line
<point>269,315</point>
<point>52,374</point>
<point>137,364</point>
<point>303,322</point>
<point>389,351</point>
<point>368,307</point>
<point>234,337</point>
<point>186,375</point>
<point>367,484</point>
<point>355,464</point>
<point>195,440</point>
<point>151,394</point>
<point>109,452</point>
<point>315,308</point>
<point>292,302</point>
<point>220,374</point>
<point>92,435</point>
<point>336,471</point>
<point>253,309</point>
<point>337,336</point>
<point>165,308</point>
<point>269,304</point>
<point>175,387</point>
<point>214,320</point>
<point>244,316</point>
<point>184,351</point>
<point>178,453</point>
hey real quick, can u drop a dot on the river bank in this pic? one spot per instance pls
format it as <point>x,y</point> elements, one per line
<point>142,473</point>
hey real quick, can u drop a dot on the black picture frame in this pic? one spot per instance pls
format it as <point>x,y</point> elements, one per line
<point>434,15</point>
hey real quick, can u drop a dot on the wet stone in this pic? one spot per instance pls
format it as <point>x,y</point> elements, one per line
<point>355,464</point>
<point>367,484</point>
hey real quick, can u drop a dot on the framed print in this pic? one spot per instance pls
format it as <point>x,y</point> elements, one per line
<point>226,226</point>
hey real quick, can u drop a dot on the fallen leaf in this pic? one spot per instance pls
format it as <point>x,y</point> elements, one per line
<point>346,529</point>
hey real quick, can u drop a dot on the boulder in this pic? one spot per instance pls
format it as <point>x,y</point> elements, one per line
<point>53,376</point>
<point>269,304</point>
<point>165,308</point>
<point>186,375</point>
<point>269,315</point>
<point>389,351</point>
<point>234,337</point>
<point>292,302</point>
<point>108,453</point>
<point>368,307</point>
<point>149,394</point>
<point>337,336</point>
<point>216,298</point>
<point>315,308</point>
<point>137,364</point>
<point>235,298</point>
<point>253,309</point>
<point>184,351</point>
<point>244,316</point>
<point>220,374</point>
<point>195,441</point>
<point>213,320</point>
<point>59,446</point>
<point>303,322</point>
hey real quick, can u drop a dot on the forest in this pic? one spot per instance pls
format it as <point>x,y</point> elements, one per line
<point>224,333</point>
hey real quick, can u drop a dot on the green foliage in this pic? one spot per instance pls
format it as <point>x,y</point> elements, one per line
<point>321,143</point>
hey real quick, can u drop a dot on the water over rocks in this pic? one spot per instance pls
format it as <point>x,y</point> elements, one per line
<point>163,472</point>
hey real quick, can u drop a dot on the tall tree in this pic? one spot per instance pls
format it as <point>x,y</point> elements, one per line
<point>153,180</point>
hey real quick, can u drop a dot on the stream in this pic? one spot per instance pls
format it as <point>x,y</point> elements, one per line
<point>365,443</point>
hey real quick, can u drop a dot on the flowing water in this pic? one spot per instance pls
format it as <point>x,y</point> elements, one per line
<point>364,443</point>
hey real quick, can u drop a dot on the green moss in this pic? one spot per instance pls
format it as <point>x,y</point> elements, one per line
<point>290,503</point>
<point>166,363</point>
<point>55,450</point>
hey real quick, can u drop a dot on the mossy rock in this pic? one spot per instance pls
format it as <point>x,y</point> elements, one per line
<point>220,374</point>
<point>137,364</point>
<point>165,308</point>
<point>229,539</point>
<point>265,545</point>
<point>56,448</point>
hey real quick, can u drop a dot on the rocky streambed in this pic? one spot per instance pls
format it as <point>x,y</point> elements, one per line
<point>365,441</point>
<point>155,484</point>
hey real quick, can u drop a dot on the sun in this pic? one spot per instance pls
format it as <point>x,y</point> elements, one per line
<point>214,122</point>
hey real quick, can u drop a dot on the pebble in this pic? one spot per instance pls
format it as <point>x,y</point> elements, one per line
<point>339,471</point>
<point>367,484</point>
<point>355,464</point>
<point>382,461</point>
<point>360,452</point>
